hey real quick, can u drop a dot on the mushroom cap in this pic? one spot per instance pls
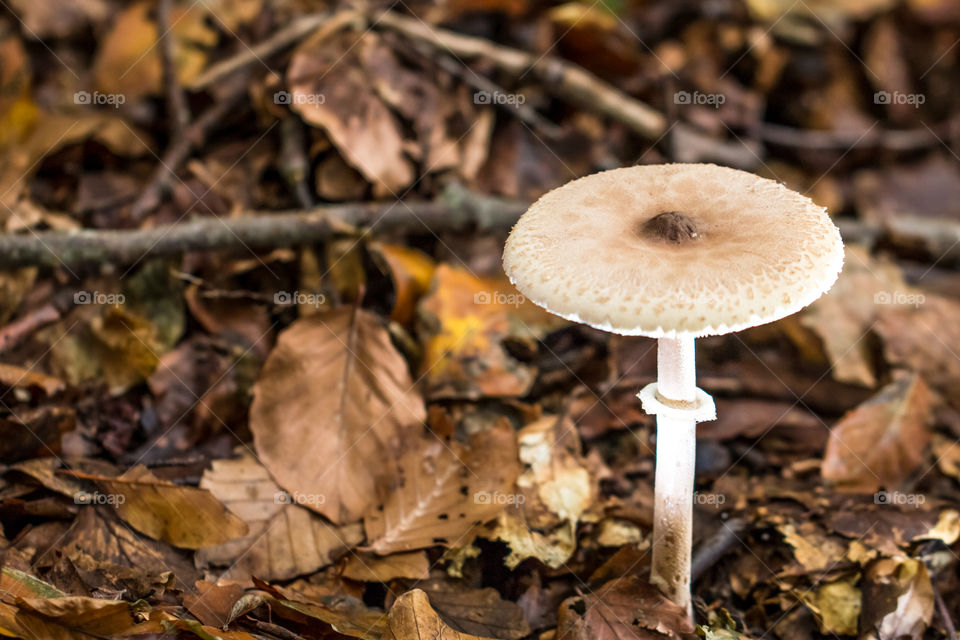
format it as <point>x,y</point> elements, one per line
<point>673,249</point>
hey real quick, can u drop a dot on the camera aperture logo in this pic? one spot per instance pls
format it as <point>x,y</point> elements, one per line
<point>299,298</point>
<point>98,297</point>
<point>84,497</point>
<point>96,98</point>
<point>498,297</point>
<point>499,98</point>
<point>915,500</point>
<point>697,98</point>
<point>898,97</point>
<point>302,499</point>
<point>485,497</point>
<point>899,298</point>
<point>297,97</point>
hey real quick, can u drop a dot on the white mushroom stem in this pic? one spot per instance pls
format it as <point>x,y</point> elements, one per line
<point>676,448</point>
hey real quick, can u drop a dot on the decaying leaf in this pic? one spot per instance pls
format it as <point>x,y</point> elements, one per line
<point>843,317</point>
<point>897,599</point>
<point>447,490</point>
<point>625,608</point>
<point>925,338</point>
<point>339,99</point>
<point>366,567</point>
<point>285,539</point>
<point>837,605</point>
<point>185,517</point>
<point>480,612</point>
<point>880,442</point>
<point>412,618</point>
<point>464,321</point>
<point>66,618</point>
<point>557,490</point>
<point>336,390</point>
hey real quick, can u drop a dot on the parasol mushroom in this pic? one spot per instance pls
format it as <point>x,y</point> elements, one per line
<point>673,252</point>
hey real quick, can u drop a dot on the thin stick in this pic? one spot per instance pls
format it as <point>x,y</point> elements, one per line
<point>457,208</point>
<point>177,111</point>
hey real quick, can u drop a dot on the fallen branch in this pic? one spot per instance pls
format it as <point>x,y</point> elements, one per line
<point>455,209</point>
<point>564,79</point>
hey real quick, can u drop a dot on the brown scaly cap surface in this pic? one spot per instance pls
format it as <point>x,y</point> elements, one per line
<point>662,250</point>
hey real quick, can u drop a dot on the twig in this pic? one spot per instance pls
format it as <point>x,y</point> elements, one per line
<point>293,160</point>
<point>300,28</point>
<point>455,209</point>
<point>716,546</point>
<point>177,110</point>
<point>564,79</point>
<point>943,611</point>
<point>12,334</point>
<point>180,148</point>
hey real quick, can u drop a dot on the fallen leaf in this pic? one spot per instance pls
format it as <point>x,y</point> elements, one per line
<point>185,517</point>
<point>365,567</point>
<point>476,611</point>
<point>411,271</point>
<point>463,323</point>
<point>625,608</point>
<point>925,338</point>
<point>336,95</point>
<point>285,539</point>
<point>211,603</point>
<point>843,317</point>
<point>897,599</point>
<point>837,605</point>
<point>70,618</point>
<point>447,490</point>
<point>336,391</point>
<point>412,618</point>
<point>878,444</point>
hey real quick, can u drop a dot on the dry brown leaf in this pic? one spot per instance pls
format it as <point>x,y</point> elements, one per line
<point>463,323</point>
<point>211,603</point>
<point>285,539</point>
<point>625,608</point>
<point>447,490</point>
<point>365,567</point>
<point>334,396</point>
<point>412,618</point>
<point>897,599</point>
<point>330,90</point>
<point>842,317</point>
<point>925,338</point>
<point>185,517</point>
<point>128,59</point>
<point>67,618</point>
<point>411,271</point>
<point>880,442</point>
<point>557,489</point>
<point>477,611</point>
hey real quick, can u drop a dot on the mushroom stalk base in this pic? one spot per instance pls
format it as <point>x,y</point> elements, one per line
<point>679,405</point>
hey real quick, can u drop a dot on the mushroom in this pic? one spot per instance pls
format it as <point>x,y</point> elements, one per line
<point>673,252</point>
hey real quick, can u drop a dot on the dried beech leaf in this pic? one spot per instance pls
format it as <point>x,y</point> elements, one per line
<point>625,608</point>
<point>897,599</point>
<point>365,567</point>
<point>880,442</point>
<point>447,490</point>
<point>412,618</point>
<point>185,517</point>
<point>330,412</point>
<point>477,611</point>
<point>330,90</point>
<point>285,539</point>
